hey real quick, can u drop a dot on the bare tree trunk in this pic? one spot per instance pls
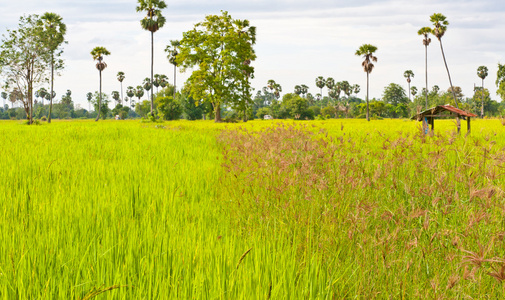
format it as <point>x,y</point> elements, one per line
<point>122,99</point>
<point>367,88</point>
<point>426,71</point>
<point>51,92</point>
<point>99,97</point>
<point>448,74</point>
<point>152,71</point>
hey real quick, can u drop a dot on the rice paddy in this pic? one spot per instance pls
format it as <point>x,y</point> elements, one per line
<point>334,209</point>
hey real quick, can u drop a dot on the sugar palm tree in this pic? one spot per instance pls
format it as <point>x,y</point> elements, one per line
<point>305,90</point>
<point>320,83</point>
<point>425,32</point>
<point>440,22</point>
<point>152,22</point>
<point>413,90</point>
<point>164,81</point>
<point>298,89</point>
<point>98,53</point>
<point>148,86</point>
<point>89,96</point>
<point>172,53</point>
<point>139,92</point>
<point>330,84</point>
<point>482,72</point>
<point>367,51</point>
<point>130,92</point>
<point>54,36</point>
<point>408,74</point>
<point>120,78</point>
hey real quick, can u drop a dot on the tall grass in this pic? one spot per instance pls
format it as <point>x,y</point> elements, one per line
<point>339,209</point>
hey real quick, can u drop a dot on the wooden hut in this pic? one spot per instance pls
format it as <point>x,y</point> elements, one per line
<point>443,111</point>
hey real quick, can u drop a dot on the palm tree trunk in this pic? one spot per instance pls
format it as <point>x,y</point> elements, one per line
<point>482,107</point>
<point>426,72</point>
<point>122,99</point>
<point>51,92</point>
<point>99,98</point>
<point>152,68</point>
<point>409,91</point>
<point>367,88</point>
<point>449,74</point>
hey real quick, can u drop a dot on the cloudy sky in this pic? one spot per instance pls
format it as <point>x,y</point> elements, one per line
<point>297,40</point>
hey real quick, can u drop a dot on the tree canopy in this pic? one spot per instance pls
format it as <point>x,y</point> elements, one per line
<point>221,49</point>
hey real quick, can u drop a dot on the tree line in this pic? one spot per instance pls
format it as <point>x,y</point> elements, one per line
<point>219,51</point>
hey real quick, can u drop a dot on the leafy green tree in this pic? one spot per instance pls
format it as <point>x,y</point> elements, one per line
<point>53,36</point>
<point>425,32</point>
<point>408,74</point>
<point>500,81</point>
<point>98,53</point>
<point>395,95</point>
<point>23,60</point>
<point>120,77</point>
<point>367,51</point>
<point>171,51</point>
<point>152,22</point>
<point>222,49</point>
<point>296,107</point>
<point>440,22</point>
<point>101,104</point>
<point>482,72</point>
<point>143,108</point>
<point>169,107</point>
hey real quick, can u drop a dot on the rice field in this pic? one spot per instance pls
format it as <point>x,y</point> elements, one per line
<point>340,209</point>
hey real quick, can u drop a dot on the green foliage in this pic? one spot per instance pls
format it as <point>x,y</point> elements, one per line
<point>169,107</point>
<point>500,81</point>
<point>394,94</point>
<point>143,108</point>
<point>296,107</point>
<point>220,50</point>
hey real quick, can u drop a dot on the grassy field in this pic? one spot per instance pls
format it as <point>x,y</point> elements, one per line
<point>262,210</point>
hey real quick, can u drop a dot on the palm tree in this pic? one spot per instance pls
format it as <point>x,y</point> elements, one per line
<point>330,84</point>
<point>115,96</point>
<point>148,86</point>
<point>172,53</point>
<point>139,92</point>
<point>482,72</point>
<point>356,88</point>
<point>408,74</point>
<point>164,81</point>
<point>304,89</point>
<point>440,22</point>
<point>54,33</point>
<point>4,97</point>
<point>120,77</point>
<point>425,31</point>
<point>98,53</point>
<point>367,51</point>
<point>152,22</point>
<point>413,90</point>
<point>298,89</point>
<point>130,92</point>
<point>89,96</point>
<point>320,83</point>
